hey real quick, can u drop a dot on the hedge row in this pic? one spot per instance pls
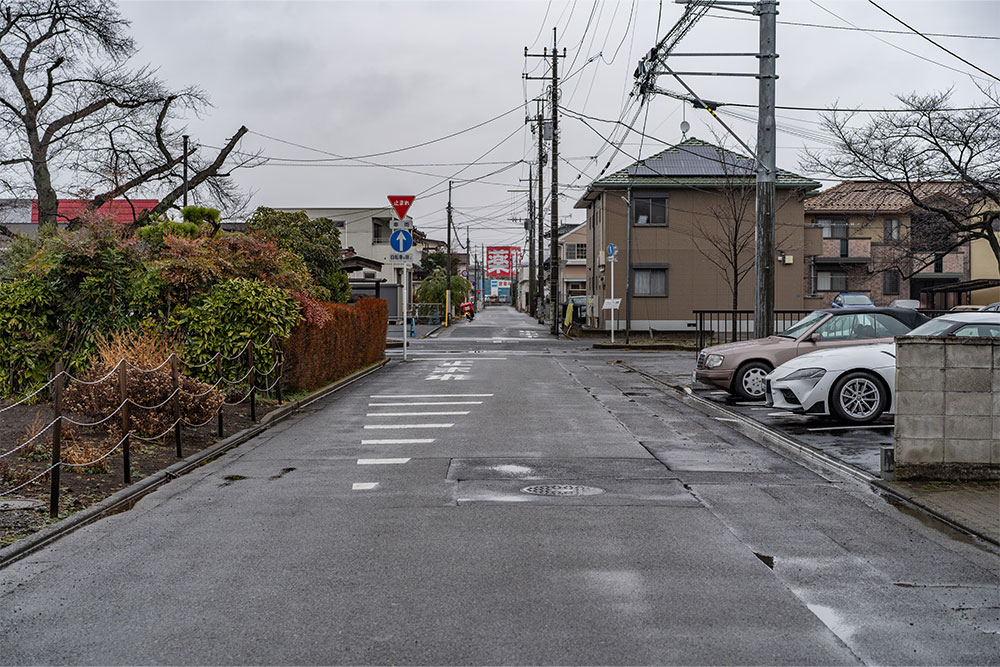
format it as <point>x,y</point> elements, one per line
<point>353,337</point>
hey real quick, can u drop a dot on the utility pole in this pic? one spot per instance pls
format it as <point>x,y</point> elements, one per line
<point>185,170</point>
<point>763,307</point>
<point>540,233</point>
<point>554,225</point>
<point>447,269</point>
<point>530,224</point>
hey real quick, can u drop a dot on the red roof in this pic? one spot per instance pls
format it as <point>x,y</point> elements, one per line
<point>118,210</point>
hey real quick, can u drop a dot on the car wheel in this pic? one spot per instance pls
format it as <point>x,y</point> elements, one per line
<point>858,397</point>
<point>748,383</point>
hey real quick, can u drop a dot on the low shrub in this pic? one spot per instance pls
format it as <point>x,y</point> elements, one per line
<point>352,338</point>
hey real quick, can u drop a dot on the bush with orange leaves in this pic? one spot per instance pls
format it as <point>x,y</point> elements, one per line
<point>353,337</point>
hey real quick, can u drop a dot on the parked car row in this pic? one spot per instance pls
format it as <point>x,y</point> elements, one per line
<point>837,362</point>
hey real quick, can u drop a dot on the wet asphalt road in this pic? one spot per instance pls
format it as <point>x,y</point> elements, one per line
<point>388,524</point>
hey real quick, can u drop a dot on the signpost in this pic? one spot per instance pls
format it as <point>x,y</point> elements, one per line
<point>401,242</point>
<point>612,304</point>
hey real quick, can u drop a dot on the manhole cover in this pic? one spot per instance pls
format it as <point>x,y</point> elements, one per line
<point>561,490</point>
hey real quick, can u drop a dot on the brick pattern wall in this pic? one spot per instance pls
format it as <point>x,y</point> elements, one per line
<point>947,408</point>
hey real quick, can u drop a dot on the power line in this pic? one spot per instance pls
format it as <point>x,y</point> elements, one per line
<point>917,32</point>
<point>856,28</point>
<point>895,46</point>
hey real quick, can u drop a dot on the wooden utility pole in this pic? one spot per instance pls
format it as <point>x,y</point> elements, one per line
<point>530,224</point>
<point>540,233</point>
<point>763,308</point>
<point>554,230</point>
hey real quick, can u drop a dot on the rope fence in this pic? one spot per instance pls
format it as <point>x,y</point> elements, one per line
<point>257,381</point>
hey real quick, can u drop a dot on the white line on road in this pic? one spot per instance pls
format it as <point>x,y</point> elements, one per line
<point>399,441</point>
<point>721,419</point>
<point>401,426</point>
<point>841,428</point>
<point>415,414</point>
<point>381,462</point>
<point>412,403</point>
<point>781,414</point>
<point>428,395</point>
<point>363,486</point>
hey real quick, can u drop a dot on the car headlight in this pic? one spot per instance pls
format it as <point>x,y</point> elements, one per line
<point>811,375</point>
<point>714,360</point>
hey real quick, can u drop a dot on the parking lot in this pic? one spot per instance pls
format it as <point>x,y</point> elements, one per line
<point>857,446</point>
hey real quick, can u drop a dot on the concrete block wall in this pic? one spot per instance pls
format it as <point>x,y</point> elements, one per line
<point>947,408</point>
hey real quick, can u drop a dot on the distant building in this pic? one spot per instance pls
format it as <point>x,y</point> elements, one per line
<point>21,215</point>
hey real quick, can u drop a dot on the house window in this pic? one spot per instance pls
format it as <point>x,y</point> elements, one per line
<point>575,251</point>
<point>939,264</point>
<point>380,233</point>
<point>649,282</point>
<point>890,282</point>
<point>890,229</point>
<point>833,228</point>
<point>649,211</point>
<point>831,281</point>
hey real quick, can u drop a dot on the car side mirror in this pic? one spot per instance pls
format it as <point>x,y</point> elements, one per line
<point>814,338</point>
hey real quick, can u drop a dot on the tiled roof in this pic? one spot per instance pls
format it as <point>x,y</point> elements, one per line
<point>874,197</point>
<point>117,210</point>
<point>695,163</point>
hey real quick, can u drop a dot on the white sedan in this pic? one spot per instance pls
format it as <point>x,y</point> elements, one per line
<point>857,384</point>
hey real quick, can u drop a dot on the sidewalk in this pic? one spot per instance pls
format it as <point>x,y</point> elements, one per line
<point>395,331</point>
<point>974,506</point>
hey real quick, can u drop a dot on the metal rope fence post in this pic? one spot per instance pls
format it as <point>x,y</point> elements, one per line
<point>253,383</point>
<point>281,367</point>
<point>56,440</point>
<point>176,383</point>
<point>126,426</point>
<point>218,382</point>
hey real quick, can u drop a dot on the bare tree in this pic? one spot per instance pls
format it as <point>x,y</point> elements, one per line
<point>72,109</point>
<point>944,160</point>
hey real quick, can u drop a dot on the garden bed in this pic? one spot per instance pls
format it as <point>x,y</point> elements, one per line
<point>80,488</point>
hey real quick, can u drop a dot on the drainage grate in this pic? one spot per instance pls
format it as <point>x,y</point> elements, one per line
<point>561,490</point>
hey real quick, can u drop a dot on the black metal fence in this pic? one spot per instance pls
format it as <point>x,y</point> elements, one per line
<point>727,326</point>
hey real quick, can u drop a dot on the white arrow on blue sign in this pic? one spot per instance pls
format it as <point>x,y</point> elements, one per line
<point>611,251</point>
<point>401,240</point>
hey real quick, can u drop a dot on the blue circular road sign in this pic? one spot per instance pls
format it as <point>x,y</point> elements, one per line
<point>401,240</point>
<point>611,249</point>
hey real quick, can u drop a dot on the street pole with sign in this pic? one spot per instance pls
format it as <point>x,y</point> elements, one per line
<point>401,242</point>
<point>612,258</point>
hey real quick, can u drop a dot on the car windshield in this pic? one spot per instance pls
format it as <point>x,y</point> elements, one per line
<point>933,328</point>
<point>802,325</point>
<point>856,300</point>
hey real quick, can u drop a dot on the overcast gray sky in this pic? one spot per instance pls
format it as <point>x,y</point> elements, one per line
<point>354,78</point>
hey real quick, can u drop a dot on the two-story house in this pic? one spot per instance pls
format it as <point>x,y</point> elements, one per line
<point>672,212</point>
<point>866,237</point>
<point>573,262</point>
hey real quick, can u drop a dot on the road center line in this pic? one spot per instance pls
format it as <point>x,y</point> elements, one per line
<point>381,462</point>
<point>402,426</point>
<point>399,441</point>
<point>415,414</point>
<point>363,486</point>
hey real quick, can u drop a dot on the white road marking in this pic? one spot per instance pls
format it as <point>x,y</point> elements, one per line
<point>415,414</point>
<point>470,359</point>
<point>429,395</point>
<point>381,462</point>
<point>402,426</point>
<point>841,428</point>
<point>399,441</point>
<point>721,419</point>
<point>363,486</point>
<point>781,414</point>
<point>403,405</point>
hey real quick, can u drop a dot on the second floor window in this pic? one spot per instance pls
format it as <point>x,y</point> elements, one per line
<point>890,229</point>
<point>649,211</point>
<point>576,251</point>
<point>833,228</point>
<point>380,232</point>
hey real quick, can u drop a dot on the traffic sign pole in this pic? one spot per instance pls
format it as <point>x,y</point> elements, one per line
<point>611,260</point>
<point>406,310</point>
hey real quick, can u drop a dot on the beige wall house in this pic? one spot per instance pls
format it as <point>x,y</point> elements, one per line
<point>859,240</point>
<point>573,262</point>
<point>684,203</point>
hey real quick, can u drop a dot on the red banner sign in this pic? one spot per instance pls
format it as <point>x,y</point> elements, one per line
<point>401,204</point>
<point>501,261</point>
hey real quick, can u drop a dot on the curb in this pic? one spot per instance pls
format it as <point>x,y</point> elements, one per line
<point>432,331</point>
<point>803,453</point>
<point>640,348</point>
<point>126,498</point>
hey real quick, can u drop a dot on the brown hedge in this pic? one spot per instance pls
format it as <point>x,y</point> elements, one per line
<point>353,338</point>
